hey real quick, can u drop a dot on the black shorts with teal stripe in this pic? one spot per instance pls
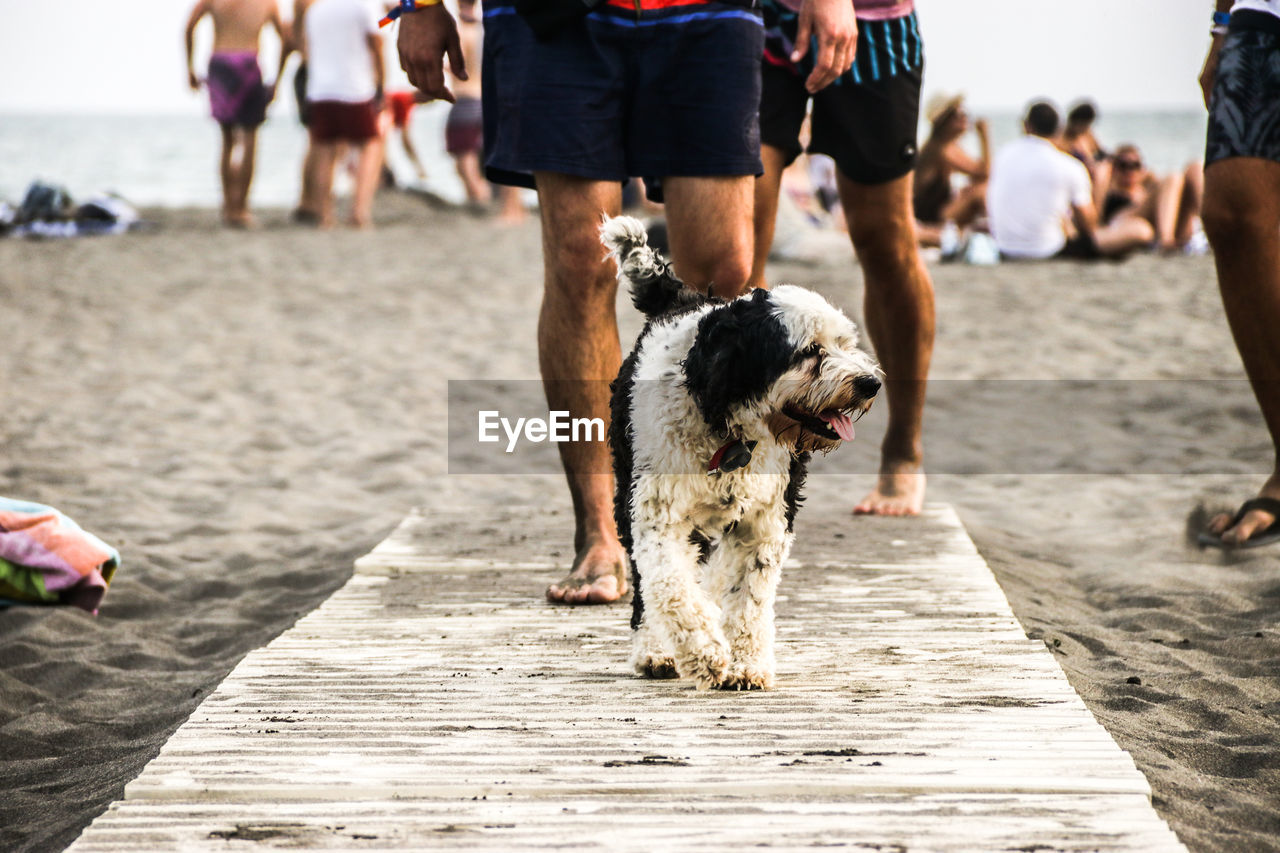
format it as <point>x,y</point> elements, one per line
<point>866,120</point>
<point>670,92</point>
<point>1244,107</point>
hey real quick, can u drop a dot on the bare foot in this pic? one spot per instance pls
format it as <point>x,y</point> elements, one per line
<point>599,576</point>
<point>900,491</point>
<point>241,221</point>
<point>1253,521</point>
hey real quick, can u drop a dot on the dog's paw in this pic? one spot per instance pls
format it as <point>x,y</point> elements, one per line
<point>657,668</point>
<point>742,677</point>
<point>707,666</point>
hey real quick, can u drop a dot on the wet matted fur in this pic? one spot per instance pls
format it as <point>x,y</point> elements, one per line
<point>772,376</point>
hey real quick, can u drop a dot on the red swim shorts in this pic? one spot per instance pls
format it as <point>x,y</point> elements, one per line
<point>340,121</point>
<point>401,103</point>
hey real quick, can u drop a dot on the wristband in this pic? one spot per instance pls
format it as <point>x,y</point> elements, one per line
<point>407,6</point>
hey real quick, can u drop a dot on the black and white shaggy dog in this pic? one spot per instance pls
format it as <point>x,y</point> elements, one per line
<point>715,415</point>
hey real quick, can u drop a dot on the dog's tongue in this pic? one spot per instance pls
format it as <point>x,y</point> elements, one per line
<point>842,424</point>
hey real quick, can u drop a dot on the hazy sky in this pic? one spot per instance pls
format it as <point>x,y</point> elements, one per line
<point>104,56</point>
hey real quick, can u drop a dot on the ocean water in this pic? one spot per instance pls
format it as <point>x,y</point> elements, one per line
<point>171,161</point>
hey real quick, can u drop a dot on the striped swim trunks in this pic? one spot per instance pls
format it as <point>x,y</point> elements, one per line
<point>867,119</point>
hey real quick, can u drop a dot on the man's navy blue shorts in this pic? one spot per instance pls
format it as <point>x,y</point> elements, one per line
<point>669,92</point>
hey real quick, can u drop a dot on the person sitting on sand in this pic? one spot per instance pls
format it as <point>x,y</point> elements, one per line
<point>1077,136</point>
<point>1169,206</point>
<point>345,71</point>
<point>1041,200</point>
<point>238,98</point>
<point>935,200</point>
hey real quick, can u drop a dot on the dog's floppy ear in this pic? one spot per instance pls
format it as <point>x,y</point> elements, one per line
<point>740,350</point>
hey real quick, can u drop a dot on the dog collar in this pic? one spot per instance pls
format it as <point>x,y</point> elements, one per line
<point>731,456</point>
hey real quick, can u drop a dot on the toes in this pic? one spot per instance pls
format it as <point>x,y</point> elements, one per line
<point>601,590</point>
<point>1219,523</point>
<point>1252,522</point>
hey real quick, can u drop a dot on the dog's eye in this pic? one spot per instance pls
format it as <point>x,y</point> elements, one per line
<point>814,351</point>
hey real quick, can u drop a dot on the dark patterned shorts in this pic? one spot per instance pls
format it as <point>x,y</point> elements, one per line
<point>1244,107</point>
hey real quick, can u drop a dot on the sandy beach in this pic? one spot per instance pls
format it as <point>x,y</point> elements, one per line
<point>244,414</point>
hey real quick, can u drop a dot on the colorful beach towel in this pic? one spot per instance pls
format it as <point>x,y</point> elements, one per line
<point>46,558</point>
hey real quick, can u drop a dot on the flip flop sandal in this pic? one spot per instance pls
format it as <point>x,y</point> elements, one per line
<point>1265,536</point>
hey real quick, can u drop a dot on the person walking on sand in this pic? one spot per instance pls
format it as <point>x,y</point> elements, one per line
<point>238,98</point>
<point>867,124</point>
<point>1241,215</point>
<point>464,128</point>
<point>573,115</point>
<point>345,72</point>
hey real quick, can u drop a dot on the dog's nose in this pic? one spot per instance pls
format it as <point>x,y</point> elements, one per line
<point>866,386</point>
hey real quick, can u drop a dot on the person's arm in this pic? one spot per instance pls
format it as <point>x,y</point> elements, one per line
<point>983,130</point>
<point>1085,217</point>
<point>285,49</point>
<point>298,30</point>
<point>426,36</point>
<point>959,160</point>
<point>197,12</point>
<point>1210,69</point>
<point>833,25</point>
<point>1083,212</point>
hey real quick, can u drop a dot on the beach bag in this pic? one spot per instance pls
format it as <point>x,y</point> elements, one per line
<point>45,203</point>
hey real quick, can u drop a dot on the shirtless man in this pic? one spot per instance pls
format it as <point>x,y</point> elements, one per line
<point>237,96</point>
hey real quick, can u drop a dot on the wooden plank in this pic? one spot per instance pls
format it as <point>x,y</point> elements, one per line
<point>435,702</point>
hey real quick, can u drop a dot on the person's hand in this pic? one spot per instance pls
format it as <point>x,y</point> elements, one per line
<point>193,81</point>
<point>1210,70</point>
<point>981,127</point>
<point>425,37</point>
<point>836,29</point>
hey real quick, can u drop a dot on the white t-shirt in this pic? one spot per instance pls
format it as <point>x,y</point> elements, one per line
<point>1033,186</point>
<point>339,64</point>
<point>1271,7</point>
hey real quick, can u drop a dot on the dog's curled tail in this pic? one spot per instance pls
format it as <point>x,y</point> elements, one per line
<point>655,290</point>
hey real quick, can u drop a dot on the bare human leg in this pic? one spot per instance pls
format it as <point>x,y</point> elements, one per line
<point>767,188</point>
<point>243,174</point>
<point>368,171</point>
<point>1189,204</point>
<point>899,309</point>
<point>412,153</point>
<point>511,209</point>
<point>468,166</point>
<point>1242,220</point>
<point>309,203</point>
<point>326,160</point>
<point>226,172</point>
<point>1128,231</point>
<point>579,354</point>
<point>709,226</point>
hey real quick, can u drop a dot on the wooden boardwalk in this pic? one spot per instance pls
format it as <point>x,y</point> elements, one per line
<point>436,702</point>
